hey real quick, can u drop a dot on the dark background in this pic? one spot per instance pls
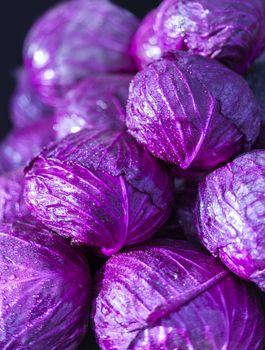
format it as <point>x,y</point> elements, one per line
<point>16,17</point>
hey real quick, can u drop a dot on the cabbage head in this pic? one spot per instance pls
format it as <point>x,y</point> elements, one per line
<point>44,290</point>
<point>230,214</point>
<point>75,39</point>
<point>170,294</point>
<point>99,189</point>
<point>192,111</point>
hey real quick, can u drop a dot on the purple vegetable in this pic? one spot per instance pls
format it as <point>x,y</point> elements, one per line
<point>230,215</point>
<point>21,145</point>
<point>45,288</point>
<point>231,31</point>
<point>172,295</point>
<point>256,80</point>
<point>95,103</point>
<point>192,111</point>
<point>99,189</point>
<point>76,39</point>
<point>144,47</point>
<point>12,204</point>
<point>26,107</point>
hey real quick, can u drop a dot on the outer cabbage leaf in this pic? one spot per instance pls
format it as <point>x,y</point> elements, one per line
<point>12,203</point>
<point>190,118</point>
<point>144,47</point>
<point>45,288</point>
<point>21,145</point>
<point>172,295</point>
<point>100,189</point>
<point>76,39</point>
<point>95,103</point>
<point>237,101</point>
<point>230,215</point>
<point>231,31</point>
<point>26,107</point>
<point>256,80</point>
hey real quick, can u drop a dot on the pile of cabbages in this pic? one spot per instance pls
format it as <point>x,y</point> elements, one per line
<point>132,189</point>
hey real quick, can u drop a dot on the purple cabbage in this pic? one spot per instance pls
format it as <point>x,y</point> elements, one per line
<point>21,145</point>
<point>100,189</point>
<point>230,215</point>
<point>170,294</point>
<point>256,80</point>
<point>44,290</point>
<point>144,47</point>
<point>12,203</point>
<point>192,111</point>
<point>230,31</point>
<point>26,107</point>
<point>75,39</point>
<point>95,103</point>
